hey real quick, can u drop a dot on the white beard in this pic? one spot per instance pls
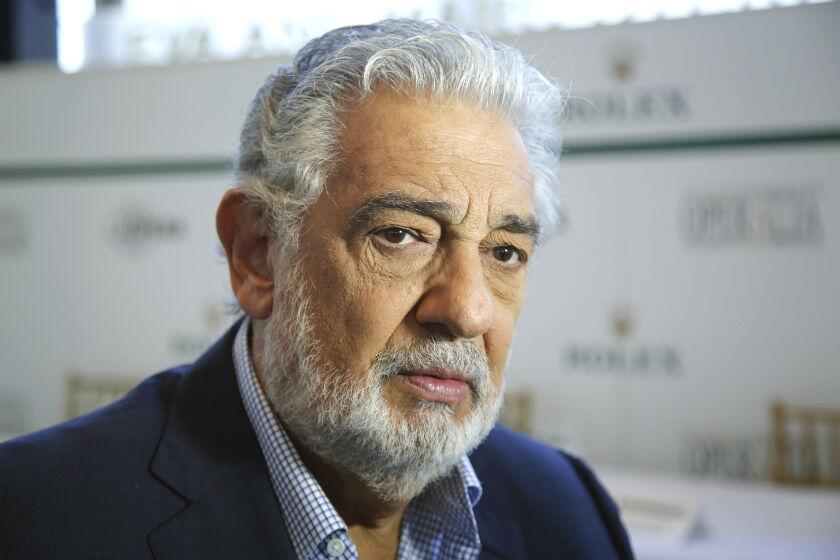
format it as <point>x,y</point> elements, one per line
<point>347,422</point>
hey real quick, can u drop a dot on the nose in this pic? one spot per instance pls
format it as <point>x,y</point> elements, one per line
<point>458,303</point>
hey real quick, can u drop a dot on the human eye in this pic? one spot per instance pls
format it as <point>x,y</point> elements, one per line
<point>396,236</point>
<point>508,255</point>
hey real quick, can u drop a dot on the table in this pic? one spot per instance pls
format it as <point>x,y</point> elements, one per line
<point>734,520</point>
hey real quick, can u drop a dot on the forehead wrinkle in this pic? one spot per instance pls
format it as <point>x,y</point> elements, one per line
<point>500,167</point>
<point>405,149</point>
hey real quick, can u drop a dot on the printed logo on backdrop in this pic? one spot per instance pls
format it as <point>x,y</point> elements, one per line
<point>621,359</point>
<point>136,229</point>
<point>621,356</point>
<point>627,102</point>
<point>188,345</point>
<point>742,457</point>
<point>623,59</point>
<point>774,216</point>
<point>14,231</point>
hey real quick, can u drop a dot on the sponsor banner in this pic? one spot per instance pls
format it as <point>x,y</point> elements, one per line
<point>699,77</point>
<point>687,294</point>
<point>709,76</point>
<point>118,278</point>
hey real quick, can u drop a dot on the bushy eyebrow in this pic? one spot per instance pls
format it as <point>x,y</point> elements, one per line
<point>440,210</point>
<point>515,223</point>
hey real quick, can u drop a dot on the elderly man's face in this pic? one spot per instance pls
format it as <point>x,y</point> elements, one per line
<point>423,232</point>
<point>381,342</point>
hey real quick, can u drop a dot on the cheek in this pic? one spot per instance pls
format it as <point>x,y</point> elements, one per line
<point>497,343</point>
<point>380,309</point>
<point>508,292</point>
<point>359,313</point>
<point>507,287</point>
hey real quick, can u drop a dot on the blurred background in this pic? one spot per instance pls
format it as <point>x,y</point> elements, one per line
<point>682,332</point>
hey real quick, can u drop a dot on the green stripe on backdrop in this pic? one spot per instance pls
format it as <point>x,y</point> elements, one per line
<point>580,149</point>
<point>117,169</point>
<point>702,143</point>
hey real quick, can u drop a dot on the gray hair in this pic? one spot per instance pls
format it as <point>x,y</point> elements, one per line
<point>289,144</point>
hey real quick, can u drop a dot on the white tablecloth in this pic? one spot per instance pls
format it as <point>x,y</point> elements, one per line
<point>743,521</point>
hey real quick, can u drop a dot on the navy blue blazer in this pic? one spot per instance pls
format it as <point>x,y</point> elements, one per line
<point>174,471</point>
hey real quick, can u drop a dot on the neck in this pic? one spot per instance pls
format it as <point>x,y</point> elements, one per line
<point>350,496</point>
<point>373,523</point>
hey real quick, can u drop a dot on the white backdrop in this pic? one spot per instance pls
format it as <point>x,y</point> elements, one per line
<point>726,328</point>
<point>694,282</point>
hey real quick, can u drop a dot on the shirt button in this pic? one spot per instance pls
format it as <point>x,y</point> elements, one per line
<point>335,547</point>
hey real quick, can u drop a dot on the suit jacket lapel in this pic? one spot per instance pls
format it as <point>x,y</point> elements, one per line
<point>210,457</point>
<point>500,536</point>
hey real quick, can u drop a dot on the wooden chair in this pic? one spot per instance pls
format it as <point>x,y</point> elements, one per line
<point>518,411</point>
<point>85,393</point>
<point>805,447</point>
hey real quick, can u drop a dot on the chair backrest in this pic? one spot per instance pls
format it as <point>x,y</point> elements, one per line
<point>518,411</point>
<point>806,445</point>
<point>85,393</point>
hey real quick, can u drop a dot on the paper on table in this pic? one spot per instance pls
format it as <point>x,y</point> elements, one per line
<point>658,517</point>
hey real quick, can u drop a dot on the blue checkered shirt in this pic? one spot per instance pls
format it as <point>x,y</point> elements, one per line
<point>437,524</point>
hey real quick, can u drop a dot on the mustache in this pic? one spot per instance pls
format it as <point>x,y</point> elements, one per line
<point>464,357</point>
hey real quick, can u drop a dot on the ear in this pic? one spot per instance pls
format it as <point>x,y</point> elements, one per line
<point>244,233</point>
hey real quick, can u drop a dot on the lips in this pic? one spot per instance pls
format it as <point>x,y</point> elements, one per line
<point>438,384</point>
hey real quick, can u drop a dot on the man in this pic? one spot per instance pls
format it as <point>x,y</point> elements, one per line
<point>392,185</point>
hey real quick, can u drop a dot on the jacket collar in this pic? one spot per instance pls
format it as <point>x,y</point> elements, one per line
<point>209,456</point>
<point>501,536</point>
